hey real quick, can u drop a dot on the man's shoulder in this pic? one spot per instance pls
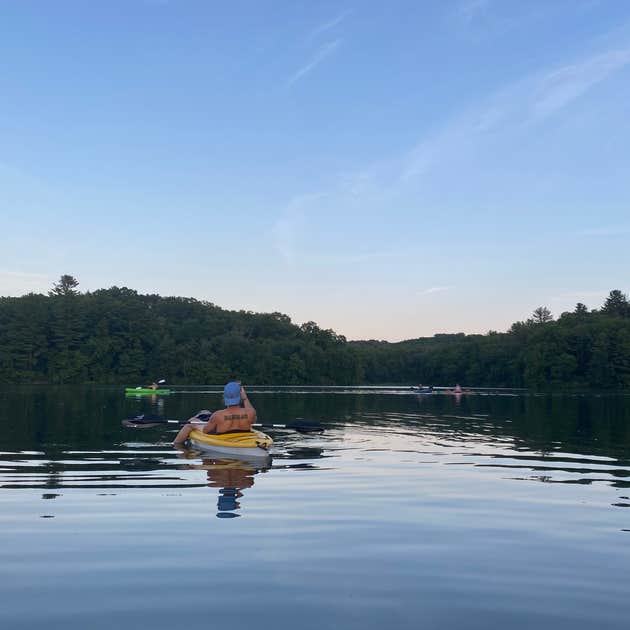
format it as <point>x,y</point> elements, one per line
<point>223,413</point>
<point>219,413</point>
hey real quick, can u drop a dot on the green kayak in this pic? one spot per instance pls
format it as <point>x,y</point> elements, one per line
<point>142,391</point>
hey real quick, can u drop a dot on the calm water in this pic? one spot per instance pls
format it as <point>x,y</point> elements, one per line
<point>407,512</point>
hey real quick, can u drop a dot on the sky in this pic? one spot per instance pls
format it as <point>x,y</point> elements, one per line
<point>389,170</point>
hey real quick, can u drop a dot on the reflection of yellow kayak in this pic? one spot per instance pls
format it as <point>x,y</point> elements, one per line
<point>246,443</point>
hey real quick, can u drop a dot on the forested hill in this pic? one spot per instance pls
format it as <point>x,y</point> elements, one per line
<point>118,336</point>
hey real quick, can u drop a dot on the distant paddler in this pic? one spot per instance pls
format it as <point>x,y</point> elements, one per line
<point>156,384</point>
<point>425,389</point>
<point>457,391</point>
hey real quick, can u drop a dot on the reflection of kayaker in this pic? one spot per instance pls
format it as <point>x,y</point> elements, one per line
<point>230,476</point>
<point>457,390</point>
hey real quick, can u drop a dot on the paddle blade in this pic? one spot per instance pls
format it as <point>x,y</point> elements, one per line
<point>130,424</point>
<point>303,425</point>
<point>148,420</point>
<point>308,428</point>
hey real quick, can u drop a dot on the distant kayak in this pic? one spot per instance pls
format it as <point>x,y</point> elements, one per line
<point>423,390</point>
<point>246,443</point>
<point>142,391</point>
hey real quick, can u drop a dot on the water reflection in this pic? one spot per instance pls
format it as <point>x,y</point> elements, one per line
<point>230,475</point>
<point>56,439</point>
<point>507,511</point>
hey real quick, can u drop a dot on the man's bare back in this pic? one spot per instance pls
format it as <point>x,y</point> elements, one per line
<point>232,418</point>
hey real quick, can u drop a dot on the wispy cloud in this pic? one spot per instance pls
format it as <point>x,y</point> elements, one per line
<point>524,103</point>
<point>330,24</point>
<point>561,87</point>
<point>323,52</point>
<point>491,128</point>
<point>433,290</point>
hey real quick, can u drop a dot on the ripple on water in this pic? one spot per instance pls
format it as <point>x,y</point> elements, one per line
<point>454,517</point>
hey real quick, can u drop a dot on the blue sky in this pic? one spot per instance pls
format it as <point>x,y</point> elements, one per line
<point>389,170</point>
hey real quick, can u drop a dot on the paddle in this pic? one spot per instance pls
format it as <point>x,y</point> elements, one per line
<point>144,420</point>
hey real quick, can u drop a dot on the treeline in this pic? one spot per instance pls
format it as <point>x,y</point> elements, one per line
<point>118,336</point>
<point>580,350</point>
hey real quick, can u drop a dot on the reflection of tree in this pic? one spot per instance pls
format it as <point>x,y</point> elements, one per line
<point>63,428</point>
<point>55,420</point>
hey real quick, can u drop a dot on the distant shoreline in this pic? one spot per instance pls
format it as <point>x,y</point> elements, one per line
<point>117,336</point>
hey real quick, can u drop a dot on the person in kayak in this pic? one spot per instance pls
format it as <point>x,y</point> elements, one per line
<point>233,418</point>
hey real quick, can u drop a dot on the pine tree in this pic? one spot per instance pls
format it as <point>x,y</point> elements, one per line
<point>66,286</point>
<point>617,304</point>
<point>542,315</point>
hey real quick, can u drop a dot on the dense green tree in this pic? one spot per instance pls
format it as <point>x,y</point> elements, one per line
<point>542,315</point>
<point>617,304</point>
<point>66,286</point>
<point>118,336</point>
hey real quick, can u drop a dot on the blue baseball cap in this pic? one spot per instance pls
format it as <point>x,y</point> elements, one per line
<point>232,394</point>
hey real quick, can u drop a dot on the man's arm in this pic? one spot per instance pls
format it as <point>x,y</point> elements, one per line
<point>211,425</point>
<point>246,402</point>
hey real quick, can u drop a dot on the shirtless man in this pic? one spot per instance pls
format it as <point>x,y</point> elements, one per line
<point>232,418</point>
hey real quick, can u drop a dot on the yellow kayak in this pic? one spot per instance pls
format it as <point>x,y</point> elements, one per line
<point>247,443</point>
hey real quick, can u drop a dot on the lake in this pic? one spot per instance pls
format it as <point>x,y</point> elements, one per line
<point>408,511</point>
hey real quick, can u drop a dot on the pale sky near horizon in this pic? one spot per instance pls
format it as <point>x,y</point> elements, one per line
<point>388,170</point>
